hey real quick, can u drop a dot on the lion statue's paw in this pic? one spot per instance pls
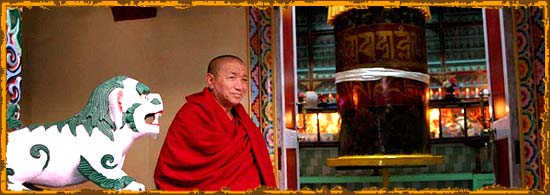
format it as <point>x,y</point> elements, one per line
<point>135,186</point>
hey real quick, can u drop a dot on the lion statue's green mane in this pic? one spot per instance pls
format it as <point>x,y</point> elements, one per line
<point>95,113</point>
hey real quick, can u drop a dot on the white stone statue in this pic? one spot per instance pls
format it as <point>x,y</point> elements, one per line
<point>90,146</point>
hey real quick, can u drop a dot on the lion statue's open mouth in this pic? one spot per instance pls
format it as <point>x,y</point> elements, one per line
<point>153,118</point>
<point>91,145</point>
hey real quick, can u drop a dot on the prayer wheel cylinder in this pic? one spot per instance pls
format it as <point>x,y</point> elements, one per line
<point>381,81</point>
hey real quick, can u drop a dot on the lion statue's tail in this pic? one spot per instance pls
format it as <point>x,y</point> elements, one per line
<point>12,117</point>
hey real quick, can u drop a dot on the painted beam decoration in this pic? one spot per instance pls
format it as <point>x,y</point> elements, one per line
<point>13,54</point>
<point>261,73</point>
<point>90,146</point>
<point>530,62</point>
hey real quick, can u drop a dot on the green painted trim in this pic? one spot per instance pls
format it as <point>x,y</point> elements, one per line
<point>155,101</point>
<point>99,179</point>
<point>396,178</point>
<point>9,172</point>
<point>11,117</point>
<point>484,177</point>
<point>142,89</point>
<point>432,177</point>
<point>107,158</point>
<point>35,153</point>
<point>129,116</point>
<point>15,21</point>
<point>340,179</point>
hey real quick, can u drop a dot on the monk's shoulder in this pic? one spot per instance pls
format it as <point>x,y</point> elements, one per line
<point>188,108</point>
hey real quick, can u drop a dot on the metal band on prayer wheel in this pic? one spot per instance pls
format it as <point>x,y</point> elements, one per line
<point>381,81</point>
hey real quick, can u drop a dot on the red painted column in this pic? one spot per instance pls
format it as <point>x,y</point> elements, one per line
<point>496,70</point>
<point>498,96</point>
<point>290,101</point>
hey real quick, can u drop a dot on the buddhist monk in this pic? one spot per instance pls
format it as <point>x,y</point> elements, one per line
<point>212,143</point>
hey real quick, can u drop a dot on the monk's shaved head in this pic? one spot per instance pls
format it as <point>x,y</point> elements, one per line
<point>227,80</point>
<point>217,62</point>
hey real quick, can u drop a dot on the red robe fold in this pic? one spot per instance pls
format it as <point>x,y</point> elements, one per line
<point>204,149</point>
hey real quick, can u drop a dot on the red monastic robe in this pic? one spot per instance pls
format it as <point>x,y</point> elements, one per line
<point>206,150</point>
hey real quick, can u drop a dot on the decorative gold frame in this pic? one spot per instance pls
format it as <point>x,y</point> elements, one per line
<point>185,4</point>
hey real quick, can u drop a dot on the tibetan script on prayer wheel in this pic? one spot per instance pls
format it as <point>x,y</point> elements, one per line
<point>398,46</point>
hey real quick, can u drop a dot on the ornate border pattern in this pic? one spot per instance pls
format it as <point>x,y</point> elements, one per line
<point>530,62</point>
<point>13,54</point>
<point>198,3</point>
<point>261,73</point>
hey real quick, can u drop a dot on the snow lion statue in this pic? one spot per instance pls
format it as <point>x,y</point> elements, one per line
<point>90,146</point>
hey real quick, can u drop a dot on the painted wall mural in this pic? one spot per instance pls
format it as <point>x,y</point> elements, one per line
<point>13,54</point>
<point>530,62</point>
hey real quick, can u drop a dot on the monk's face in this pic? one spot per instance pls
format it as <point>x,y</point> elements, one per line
<point>230,83</point>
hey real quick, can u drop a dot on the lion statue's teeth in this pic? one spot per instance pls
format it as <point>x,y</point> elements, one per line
<point>157,116</point>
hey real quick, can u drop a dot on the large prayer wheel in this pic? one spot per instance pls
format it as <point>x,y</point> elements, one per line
<point>381,81</point>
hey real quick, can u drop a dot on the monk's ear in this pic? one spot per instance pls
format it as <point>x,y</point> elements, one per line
<point>115,107</point>
<point>210,80</point>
